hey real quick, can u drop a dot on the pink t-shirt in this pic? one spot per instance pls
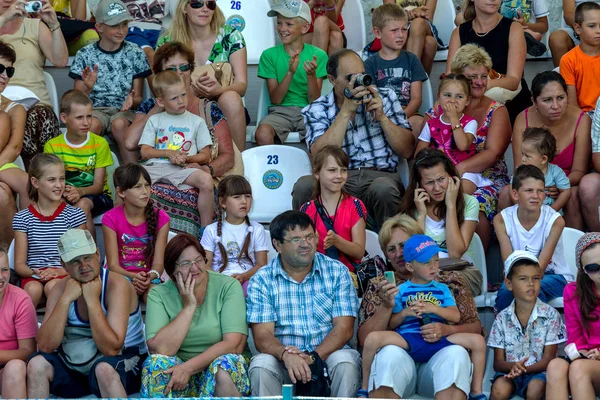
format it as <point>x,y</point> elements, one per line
<point>585,339</point>
<point>18,319</point>
<point>131,239</point>
<point>348,213</point>
<point>440,136</point>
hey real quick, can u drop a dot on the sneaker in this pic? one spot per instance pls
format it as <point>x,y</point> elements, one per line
<point>534,47</point>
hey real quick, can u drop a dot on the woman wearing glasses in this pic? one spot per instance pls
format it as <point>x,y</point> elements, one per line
<point>196,329</point>
<point>200,24</point>
<point>582,316</point>
<point>492,136</point>
<point>12,129</point>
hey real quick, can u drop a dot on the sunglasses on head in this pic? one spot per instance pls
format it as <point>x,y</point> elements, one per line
<point>182,68</point>
<point>592,268</point>
<point>210,4</point>
<point>10,71</point>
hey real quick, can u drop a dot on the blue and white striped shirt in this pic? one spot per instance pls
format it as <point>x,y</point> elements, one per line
<point>303,312</point>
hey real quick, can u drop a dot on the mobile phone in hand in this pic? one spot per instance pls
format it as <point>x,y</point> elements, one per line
<point>389,276</point>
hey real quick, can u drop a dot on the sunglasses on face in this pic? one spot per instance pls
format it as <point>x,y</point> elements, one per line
<point>210,4</point>
<point>10,71</point>
<point>591,268</point>
<point>182,68</point>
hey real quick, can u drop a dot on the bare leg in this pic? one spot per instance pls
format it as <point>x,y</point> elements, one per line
<point>452,393</point>
<point>12,380</point>
<point>321,32</point>
<point>109,381</point>
<point>535,390</point>
<point>336,40</point>
<point>429,53</point>
<point>560,44</point>
<point>265,135</point>
<point>589,187</point>
<point>502,389</point>
<point>16,179</point>
<point>584,379</point>
<point>9,208</point>
<point>557,378</point>
<point>536,35</point>
<point>572,210</point>
<point>204,183</point>
<point>119,127</point>
<point>384,392</point>
<point>374,342</point>
<point>308,37</point>
<point>39,375</point>
<point>504,199</point>
<point>476,344</point>
<point>233,109</point>
<point>49,286</point>
<point>35,290</point>
<point>87,205</point>
<point>484,230</point>
<point>96,127</point>
<point>467,186</point>
<point>224,386</point>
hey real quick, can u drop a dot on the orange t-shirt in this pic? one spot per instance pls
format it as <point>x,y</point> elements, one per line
<point>581,71</point>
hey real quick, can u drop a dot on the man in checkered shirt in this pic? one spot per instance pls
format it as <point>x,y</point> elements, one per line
<point>301,305</point>
<point>371,127</point>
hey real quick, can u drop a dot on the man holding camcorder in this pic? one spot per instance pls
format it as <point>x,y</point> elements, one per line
<point>371,127</point>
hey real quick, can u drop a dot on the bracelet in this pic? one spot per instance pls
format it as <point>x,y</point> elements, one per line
<point>456,126</point>
<point>153,271</point>
<point>210,168</point>
<point>52,30</point>
<point>282,353</point>
<point>329,9</point>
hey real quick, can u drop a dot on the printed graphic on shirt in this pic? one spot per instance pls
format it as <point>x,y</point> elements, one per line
<point>146,11</point>
<point>423,297</point>
<point>233,250</point>
<point>396,78</point>
<point>512,8</point>
<point>173,138</point>
<point>82,176</point>
<point>133,248</point>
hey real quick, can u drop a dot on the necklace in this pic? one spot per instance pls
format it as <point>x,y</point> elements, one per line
<point>336,209</point>
<point>485,33</point>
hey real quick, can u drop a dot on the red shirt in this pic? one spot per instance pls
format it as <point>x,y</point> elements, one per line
<point>348,213</point>
<point>320,11</point>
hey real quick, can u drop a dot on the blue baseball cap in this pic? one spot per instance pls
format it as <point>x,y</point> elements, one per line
<point>420,248</point>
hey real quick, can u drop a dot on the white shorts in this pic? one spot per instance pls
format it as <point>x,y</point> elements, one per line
<point>477,179</point>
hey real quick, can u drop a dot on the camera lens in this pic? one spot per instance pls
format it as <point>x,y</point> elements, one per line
<point>363,80</point>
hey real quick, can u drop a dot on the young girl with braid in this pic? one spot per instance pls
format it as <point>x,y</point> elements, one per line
<point>234,245</point>
<point>135,233</point>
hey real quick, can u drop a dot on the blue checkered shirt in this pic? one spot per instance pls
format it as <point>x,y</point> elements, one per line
<point>365,142</point>
<point>303,312</point>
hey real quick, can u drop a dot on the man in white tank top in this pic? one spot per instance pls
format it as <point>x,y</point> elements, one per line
<point>531,226</point>
<point>91,340</point>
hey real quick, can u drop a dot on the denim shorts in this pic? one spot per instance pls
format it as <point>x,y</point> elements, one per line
<point>521,382</point>
<point>143,37</point>
<point>102,203</point>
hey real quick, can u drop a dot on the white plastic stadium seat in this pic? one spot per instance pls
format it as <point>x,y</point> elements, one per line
<point>272,172</point>
<point>569,239</point>
<point>426,97</point>
<point>263,109</point>
<point>11,254</point>
<point>481,264</point>
<point>354,22</point>
<point>372,245</point>
<point>250,17</point>
<point>51,86</point>
<point>443,19</point>
<point>110,182</point>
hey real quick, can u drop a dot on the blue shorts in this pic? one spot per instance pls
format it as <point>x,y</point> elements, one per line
<point>143,37</point>
<point>68,383</point>
<point>101,203</point>
<point>420,350</point>
<point>155,281</point>
<point>521,382</point>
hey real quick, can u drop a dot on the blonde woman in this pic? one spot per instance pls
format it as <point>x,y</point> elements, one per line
<point>200,24</point>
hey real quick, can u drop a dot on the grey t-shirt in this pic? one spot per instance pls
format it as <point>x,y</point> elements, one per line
<point>396,74</point>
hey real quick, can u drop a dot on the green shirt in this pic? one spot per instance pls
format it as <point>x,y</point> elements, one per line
<point>223,311</point>
<point>81,160</point>
<point>275,62</point>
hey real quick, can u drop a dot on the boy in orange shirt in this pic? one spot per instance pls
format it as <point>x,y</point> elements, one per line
<point>580,66</point>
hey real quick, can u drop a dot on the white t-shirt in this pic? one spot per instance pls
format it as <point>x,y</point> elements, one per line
<point>437,229</point>
<point>533,240</point>
<point>187,132</point>
<point>233,237</point>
